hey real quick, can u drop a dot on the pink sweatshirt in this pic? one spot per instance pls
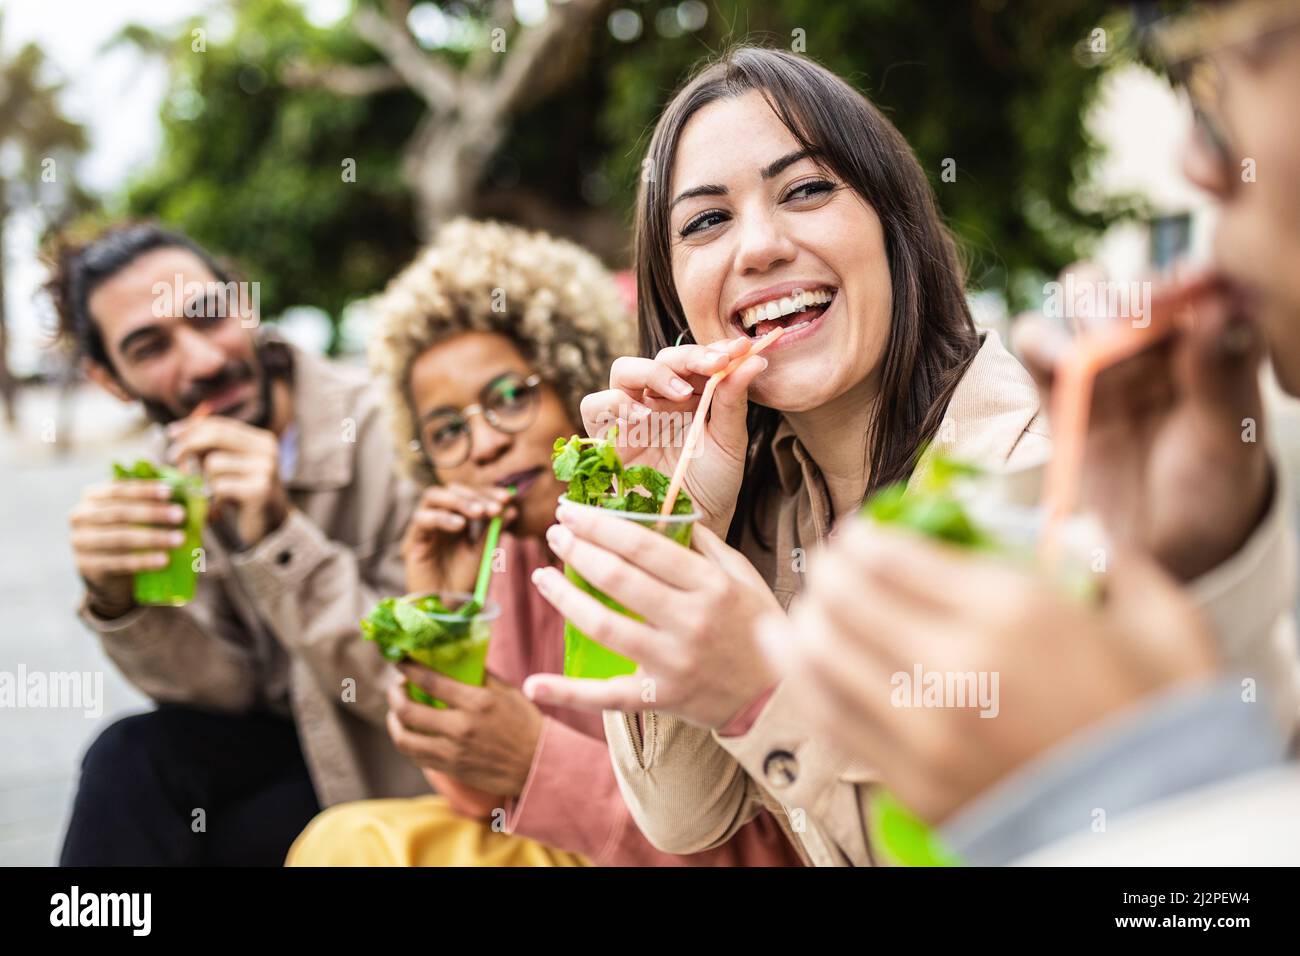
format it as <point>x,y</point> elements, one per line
<point>571,799</point>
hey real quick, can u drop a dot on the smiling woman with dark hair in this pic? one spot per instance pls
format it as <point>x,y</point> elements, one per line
<point>776,195</point>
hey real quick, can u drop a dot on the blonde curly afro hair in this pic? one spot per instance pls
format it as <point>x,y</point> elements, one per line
<point>554,300</point>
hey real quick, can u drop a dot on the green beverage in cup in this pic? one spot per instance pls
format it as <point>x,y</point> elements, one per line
<point>584,657</point>
<point>174,584</point>
<point>597,479</point>
<point>447,632</point>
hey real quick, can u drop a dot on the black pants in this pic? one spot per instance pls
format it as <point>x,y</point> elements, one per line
<point>185,787</point>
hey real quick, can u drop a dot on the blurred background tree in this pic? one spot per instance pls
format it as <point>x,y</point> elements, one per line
<point>38,150</point>
<point>259,124</point>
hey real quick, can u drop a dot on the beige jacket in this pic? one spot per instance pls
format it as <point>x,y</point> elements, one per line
<point>690,789</point>
<point>274,628</point>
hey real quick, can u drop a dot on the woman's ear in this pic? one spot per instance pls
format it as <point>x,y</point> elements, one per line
<point>106,379</point>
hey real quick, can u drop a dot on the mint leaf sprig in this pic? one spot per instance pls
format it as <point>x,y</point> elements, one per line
<point>596,476</point>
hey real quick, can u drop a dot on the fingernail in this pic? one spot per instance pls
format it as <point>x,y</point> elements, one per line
<point>176,514</point>
<point>559,536</point>
<point>679,387</point>
<point>175,538</point>
<point>641,411</point>
<point>540,579</point>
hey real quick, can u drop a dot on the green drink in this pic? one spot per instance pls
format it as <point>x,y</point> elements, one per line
<point>597,479</point>
<point>584,657</point>
<point>447,632</point>
<point>173,585</point>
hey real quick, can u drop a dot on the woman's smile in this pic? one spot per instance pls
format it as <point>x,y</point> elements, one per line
<point>797,307</point>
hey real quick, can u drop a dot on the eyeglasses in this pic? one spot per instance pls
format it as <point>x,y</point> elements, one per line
<point>508,403</point>
<point>1192,48</point>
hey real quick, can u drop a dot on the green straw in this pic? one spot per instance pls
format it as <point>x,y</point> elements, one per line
<point>485,564</point>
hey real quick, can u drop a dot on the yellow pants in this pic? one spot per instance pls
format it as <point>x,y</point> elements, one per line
<point>421,831</point>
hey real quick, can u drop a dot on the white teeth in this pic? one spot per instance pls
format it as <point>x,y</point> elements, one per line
<point>786,305</point>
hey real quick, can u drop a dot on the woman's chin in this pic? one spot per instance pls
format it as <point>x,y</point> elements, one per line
<point>787,391</point>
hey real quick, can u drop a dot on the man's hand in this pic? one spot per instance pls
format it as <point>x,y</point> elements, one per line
<point>485,738</point>
<point>881,604</point>
<point>119,528</point>
<point>241,465</point>
<point>1174,462</point>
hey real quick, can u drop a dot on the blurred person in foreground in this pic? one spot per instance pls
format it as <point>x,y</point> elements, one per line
<point>269,705</point>
<point>486,344</point>
<point>1121,736</point>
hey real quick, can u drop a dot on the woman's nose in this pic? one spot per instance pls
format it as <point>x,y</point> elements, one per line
<point>763,244</point>
<point>487,444</point>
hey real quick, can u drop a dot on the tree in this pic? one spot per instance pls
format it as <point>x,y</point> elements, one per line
<point>256,126</point>
<point>38,146</point>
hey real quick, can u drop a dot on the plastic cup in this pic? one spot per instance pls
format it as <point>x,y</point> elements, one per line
<point>175,584</point>
<point>465,659</point>
<point>584,657</point>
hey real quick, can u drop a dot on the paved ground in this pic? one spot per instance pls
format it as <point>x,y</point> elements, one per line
<point>40,748</point>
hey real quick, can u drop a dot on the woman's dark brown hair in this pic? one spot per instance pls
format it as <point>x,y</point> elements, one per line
<point>931,337</point>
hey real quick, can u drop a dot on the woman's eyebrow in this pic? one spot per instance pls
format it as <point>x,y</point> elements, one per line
<point>772,169</point>
<point>706,190</point>
<point>785,162</point>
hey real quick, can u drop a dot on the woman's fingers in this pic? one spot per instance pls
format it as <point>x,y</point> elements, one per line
<point>729,415</point>
<point>422,748</point>
<point>619,633</point>
<point>635,376</point>
<point>596,536</point>
<point>625,693</point>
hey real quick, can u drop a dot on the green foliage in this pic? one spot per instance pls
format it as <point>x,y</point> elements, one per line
<point>183,486</point>
<point>931,508</point>
<point>999,87</point>
<point>402,626</point>
<point>596,477</point>
<point>252,166</point>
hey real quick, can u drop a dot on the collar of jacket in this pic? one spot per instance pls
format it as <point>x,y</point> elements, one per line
<point>996,391</point>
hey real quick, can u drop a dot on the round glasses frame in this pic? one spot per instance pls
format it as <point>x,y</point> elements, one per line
<point>464,445</point>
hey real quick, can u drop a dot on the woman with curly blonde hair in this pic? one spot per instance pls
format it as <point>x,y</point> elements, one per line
<point>487,343</point>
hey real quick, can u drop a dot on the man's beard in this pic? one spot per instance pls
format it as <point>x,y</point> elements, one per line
<point>231,373</point>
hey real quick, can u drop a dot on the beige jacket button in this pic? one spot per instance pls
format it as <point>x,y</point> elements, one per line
<point>781,768</point>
